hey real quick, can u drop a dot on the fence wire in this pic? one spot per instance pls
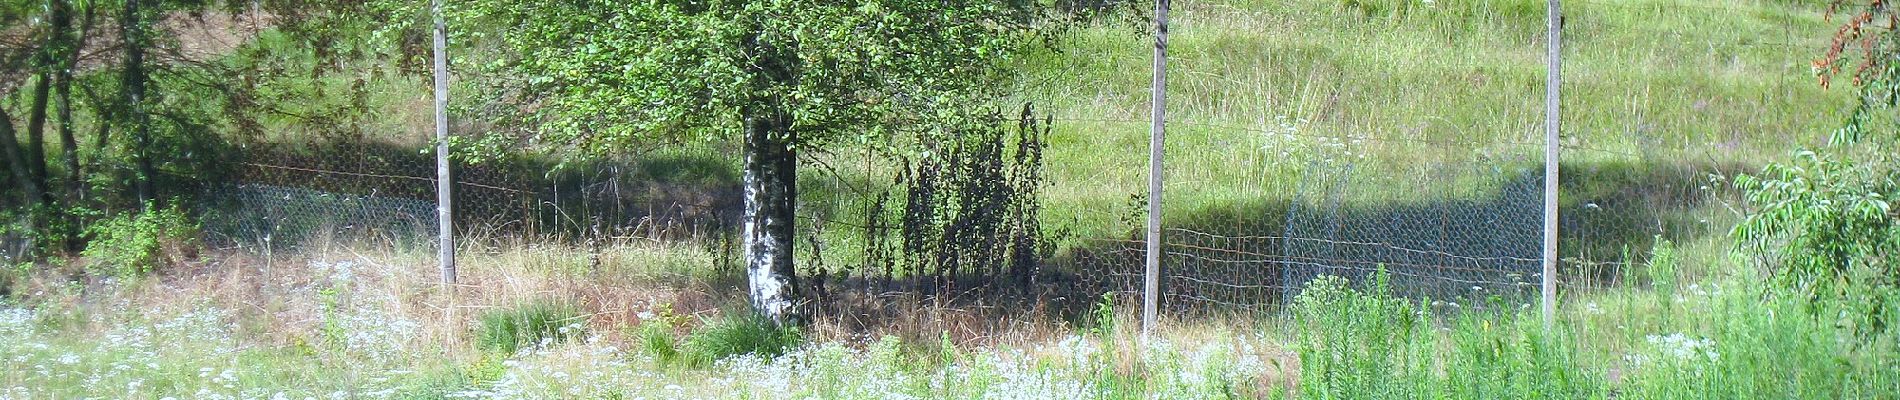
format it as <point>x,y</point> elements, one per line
<point>285,198</point>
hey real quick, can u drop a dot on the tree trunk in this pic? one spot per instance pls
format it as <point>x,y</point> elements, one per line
<point>16,161</point>
<point>36,131</point>
<point>68,144</point>
<point>132,35</point>
<point>771,194</point>
<point>62,22</point>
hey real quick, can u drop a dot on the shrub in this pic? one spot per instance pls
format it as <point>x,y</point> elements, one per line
<point>138,244</point>
<point>735,334</point>
<point>1827,219</point>
<point>535,323</point>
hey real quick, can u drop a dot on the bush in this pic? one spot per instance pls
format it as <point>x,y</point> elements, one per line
<point>1827,220</point>
<point>138,244</point>
<point>530,324</point>
<point>735,334</point>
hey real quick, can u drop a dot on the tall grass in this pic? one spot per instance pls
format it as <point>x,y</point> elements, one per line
<point>1366,343</point>
<point>530,324</point>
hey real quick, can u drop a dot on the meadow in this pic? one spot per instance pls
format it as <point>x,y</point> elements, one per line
<point>1665,100</point>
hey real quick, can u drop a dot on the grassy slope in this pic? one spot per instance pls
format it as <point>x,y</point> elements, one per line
<point>1647,82</point>
<point>1407,90</point>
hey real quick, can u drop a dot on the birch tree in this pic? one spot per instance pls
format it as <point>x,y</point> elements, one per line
<point>786,77</point>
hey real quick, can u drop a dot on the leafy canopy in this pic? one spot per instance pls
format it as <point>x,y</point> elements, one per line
<point>598,74</point>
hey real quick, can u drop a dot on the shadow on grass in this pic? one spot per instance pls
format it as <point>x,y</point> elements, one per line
<point>1251,256</point>
<point>288,193</point>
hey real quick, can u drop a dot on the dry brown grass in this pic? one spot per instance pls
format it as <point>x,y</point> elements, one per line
<point>279,301</point>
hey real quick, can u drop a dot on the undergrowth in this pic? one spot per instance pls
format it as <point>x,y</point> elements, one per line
<point>1367,343</point>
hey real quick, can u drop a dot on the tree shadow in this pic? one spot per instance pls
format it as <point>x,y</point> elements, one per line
<point>288,193</point>
<point>1253,255</point>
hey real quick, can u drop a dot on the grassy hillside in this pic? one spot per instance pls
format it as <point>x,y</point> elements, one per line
<point>1419,98</point>
<point>1418,102</point>
<point>1407,84</point>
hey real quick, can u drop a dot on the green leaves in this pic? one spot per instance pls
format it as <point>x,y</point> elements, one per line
<point>1827,219</point>
<point>602,75</point>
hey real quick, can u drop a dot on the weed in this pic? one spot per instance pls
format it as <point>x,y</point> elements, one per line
<point>655,335</point>
<point>1369,344</point>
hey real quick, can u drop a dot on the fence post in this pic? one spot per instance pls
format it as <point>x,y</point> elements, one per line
<point>1553,80</point>
<point>1152,277</point>
<point>443,184</point>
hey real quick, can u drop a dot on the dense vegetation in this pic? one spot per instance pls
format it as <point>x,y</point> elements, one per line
<point>1776,283</point>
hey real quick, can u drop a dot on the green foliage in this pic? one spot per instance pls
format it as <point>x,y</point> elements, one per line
<point>1734,344</point>
<point>449,381</point>
<point>1827,217</point>
<point>655,336</point>
<point>1370,344</point>
<point>1102,317</point>
<point>530,324</point>
<point>605,74</point>
<point>1664,265</point>
<point>135,244</point>
<point>1352,342</point>
<point>1827,220</point>
<point>735,334</point>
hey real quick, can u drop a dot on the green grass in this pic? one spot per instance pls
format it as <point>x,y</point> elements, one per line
<point>1366,343</point>
<point>1657,95</point>
<point>530,324</point>
<point>737,334</point>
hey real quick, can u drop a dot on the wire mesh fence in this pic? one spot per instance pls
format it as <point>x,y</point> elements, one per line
<point>284,198</point>
<point>1466,224</point>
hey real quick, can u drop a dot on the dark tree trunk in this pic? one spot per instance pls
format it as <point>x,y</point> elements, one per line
<point>16,161</point>
<point>771,194</point>
<point>132,35</point>
<point>68,43</point>
<point>36,131</point>
<point>68,144</point>
<point>62,22</point>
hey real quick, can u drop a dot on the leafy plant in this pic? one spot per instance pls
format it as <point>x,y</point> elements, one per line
<point>655,335</point>
<point>1357,342</point>
<point>1103,317</point>
<point>132,245</point>
<point>1827,219</point>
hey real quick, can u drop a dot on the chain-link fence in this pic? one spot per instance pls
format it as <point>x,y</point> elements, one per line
<point>1465,224</point>
<point>284,198</point>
